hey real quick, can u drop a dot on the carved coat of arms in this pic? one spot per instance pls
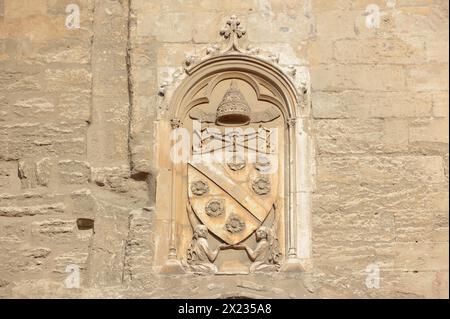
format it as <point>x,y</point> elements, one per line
<point>237,214</point>
<point>233,194</point>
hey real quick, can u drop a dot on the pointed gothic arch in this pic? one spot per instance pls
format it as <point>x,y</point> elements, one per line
<point>271,84</point>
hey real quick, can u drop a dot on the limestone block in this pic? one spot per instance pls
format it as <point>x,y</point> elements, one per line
<point>290,55</point>
<point>422,284</point>
<point>71,51</point>
<point>74,105</point>
<point>370,169</point>
<point>324,5</point>
<point>19,9</point>
<point>437,201</point>
<point>109,70</point>
<point>18,81</point>
<point>106,260</point>
<point>30,107</point>
<point>53,227</point>
<point>68,80</point>
<point>58,7</point>
<point>368,200</point>
<point>429,130</point>
<point>170,27</point>
<point>139,246</point>
<point>27,174</point>
<point>174,54</point>
<point>437,50</point>
<point>354,227</point>
<point>421,256</point>
<point>354,256</point>
<point>320,51</point>
<point>5,176</point>
<point>14,232</point>
<point>358,77</point>
<point>112,178</point>
<point>395,135</point>
<point>8,176</point>
<point>84,203</point>
<point>28,261</point>
<point>37,252</point>
<point>282,26</point>
<point>430,77</point>
<point>76,257</point>
<point>336,24</point>
<point>43,171</point>
<point>74,172</point>
<point>391,50</point>
<point>414,226</point>
<point>42,28</point>
<point>420,20</point>
<point>147,7</point>
<point>440,227</point>
<point>440,105</point>
<point>446,164</point>
<point>348,136</point>
<point>108,135</point>
<point>20,211</point>
<point>413,3</point>
<point>398,105</point>
<point>357,104</point>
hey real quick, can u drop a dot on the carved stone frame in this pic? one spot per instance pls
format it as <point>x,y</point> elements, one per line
<point>298,158</point>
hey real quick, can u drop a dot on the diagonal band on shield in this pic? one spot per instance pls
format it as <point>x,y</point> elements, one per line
<point>242,212</point>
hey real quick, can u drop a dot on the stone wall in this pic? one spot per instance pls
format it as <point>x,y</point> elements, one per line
<point>77,108</point>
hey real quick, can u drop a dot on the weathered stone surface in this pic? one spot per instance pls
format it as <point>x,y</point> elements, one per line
<point>358,105</point>
<point>74,172</point>
<point>53,227</point>
<point>365,77</point>
<point>66,139</point>
<point>397,170</point>
<point>8,175</point>
<point>17,211</point>
<point>429,130</point>
<point>75,257</point>
<point>139,246</point>
<point>79,111</point>
<point>43,171</point>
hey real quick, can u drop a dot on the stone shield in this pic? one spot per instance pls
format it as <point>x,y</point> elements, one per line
<point>231,200</point>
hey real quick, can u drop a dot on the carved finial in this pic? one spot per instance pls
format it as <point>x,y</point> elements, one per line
<point>162,88</point>
<point>291,121</point>
<point>190,60</point>
<point>175,123</point>
<point>232,32</point>
<point>291,71</point>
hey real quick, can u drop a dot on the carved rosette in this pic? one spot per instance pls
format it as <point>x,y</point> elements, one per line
<point>263,164</point>
<point>199,188</point>
<point>234,224</point>
<point>261,185</point>
<point>215,207</point>
<point>237,163</point>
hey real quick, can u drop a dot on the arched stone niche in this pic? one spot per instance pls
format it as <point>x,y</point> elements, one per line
<point>239,214</point>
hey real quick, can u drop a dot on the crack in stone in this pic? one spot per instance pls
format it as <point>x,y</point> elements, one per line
<point>130,85</point>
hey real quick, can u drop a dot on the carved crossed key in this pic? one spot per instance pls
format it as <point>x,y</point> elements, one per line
<point>259,142</point>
